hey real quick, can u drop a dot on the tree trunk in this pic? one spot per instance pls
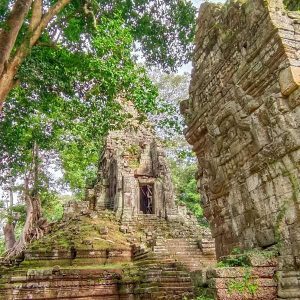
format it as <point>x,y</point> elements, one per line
<point>9,66</point>
<point>9,235</point>
<point>9,32</point>
<point>35,225</point>
<point>9,228</point>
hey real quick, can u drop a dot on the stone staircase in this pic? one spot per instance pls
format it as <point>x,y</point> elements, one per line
<point>161,277</point>
<point>168,255</point>
<point>192,248</point>
<point>186,251</point>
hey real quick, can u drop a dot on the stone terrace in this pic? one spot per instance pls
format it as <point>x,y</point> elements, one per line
<point>95,256</point>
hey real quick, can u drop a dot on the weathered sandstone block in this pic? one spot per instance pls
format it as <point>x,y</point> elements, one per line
<point>243,122</point>
<point>243,119</point>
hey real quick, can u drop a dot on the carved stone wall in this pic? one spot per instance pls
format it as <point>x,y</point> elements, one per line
<point>243,119</point>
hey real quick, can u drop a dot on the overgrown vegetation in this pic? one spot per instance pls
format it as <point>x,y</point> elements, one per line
<point>173,88</point>
<point>247,285</point>
<point>241,258</point>
<point>2,246</point>
<point>183,175</point>
<point>203,292</point>
<point>292,5</point>
<point>201,298</point>
<point>82,233</point>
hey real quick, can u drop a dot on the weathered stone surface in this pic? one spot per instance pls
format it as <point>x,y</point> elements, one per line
<point>133,157</point>
<point>243,282</point>
<point>243,122</point>
<point>262,293</point>
<point>152,259</point>
<point>237,272</point>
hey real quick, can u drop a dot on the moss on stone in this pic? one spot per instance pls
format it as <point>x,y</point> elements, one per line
<point>82,234</point>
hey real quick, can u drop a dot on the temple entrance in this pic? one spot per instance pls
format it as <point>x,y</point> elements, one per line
<point>146,199</point>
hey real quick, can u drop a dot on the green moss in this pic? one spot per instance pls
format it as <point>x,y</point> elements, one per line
<point>247,285</point>
<point>204,298</point>
<point>203,293</point>
<point>82,234</point>
<point>242,258</point>
<point>44,264</point>
<point>280,220</point>
<point>30,267</point>
<point>134,152</point>
<point>131,274</point>
<point>234,261</point>
<point>293,5</point>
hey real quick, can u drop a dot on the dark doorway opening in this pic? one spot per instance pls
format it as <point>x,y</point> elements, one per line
<point>146,199</point>
<point>73,252</point>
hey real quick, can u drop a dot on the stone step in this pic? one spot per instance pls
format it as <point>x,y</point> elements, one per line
<point>172,272</point>
<point>167,279</point>
<point>177,284</point>
<point>185,295</point>
<point>186,253</point>
<point>140,257</point>
<point>176,289</point>
<point>160,250</point>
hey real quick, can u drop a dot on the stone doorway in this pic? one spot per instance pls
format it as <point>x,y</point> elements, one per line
<point>146,199</point>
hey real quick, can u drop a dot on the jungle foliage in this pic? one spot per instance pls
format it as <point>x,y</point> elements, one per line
<point>293,5</point>
<point>64,65</point>
<point>172,89</point>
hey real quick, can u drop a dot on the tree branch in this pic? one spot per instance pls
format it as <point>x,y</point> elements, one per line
<point>54,10</point>
<point>49,45</point>
<point>7,78</point>
<point>90,13</point>
<point>9,33</point>
<point>37,13</point>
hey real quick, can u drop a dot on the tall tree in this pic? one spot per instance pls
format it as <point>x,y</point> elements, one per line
<point>164,29</point>
<point>13,55</point>
<point>9,227</point>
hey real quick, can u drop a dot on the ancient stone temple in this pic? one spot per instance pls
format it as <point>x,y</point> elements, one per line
<point>127,241</point>
<point>243,121</point>
<point>133,174</point>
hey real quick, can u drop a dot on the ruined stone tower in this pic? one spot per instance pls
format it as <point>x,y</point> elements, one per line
<point>243,121</point>
<point>133,175</point>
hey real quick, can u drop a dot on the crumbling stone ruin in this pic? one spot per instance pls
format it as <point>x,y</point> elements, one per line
<point>128,240</point>
<point>133,174</point>
<point>243,121</point>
